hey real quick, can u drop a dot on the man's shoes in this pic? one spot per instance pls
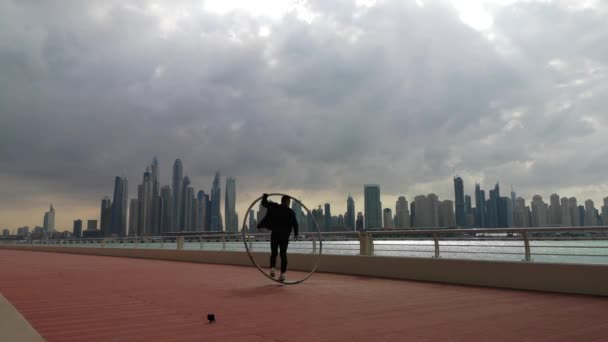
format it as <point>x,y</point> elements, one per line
<point>282,277</point>
<point>272,273</point>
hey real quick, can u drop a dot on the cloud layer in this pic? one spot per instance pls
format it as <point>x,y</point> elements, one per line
<point>318,101</point>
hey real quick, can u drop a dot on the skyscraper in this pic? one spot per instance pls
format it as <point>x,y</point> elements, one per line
<point>349,219</point>
<point>215,214</point>
<point>480,206</point>
<point>388,219</point>
<point>605,212</point>
<point>252,222</point>
<point>555,210</point>
<point>590,214</point>
<point>145,205</point>
<point>201,217</point>
<point>185,216</point>
<point>167,217</point>
<point>459,200</point>
<point>446,214</point>
<point>372,206</point>
<point>402,213</point>
<point>178,178</point>
<point>574,212</point>
<point>77,231</point>
<point>539,212</point>
<point>230,206</point>
<point>133,217</point>
<point>118,225</point>
<point>157,215</point>
<point>327,218</point>
<point>155,175</point>
<point>49,221</point>
<point>105,217</point>
<point>188,199</point>
<point>566,219</point>
<point>360,223</point>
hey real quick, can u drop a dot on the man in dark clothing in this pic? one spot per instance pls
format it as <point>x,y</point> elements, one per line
<point>280,219</point>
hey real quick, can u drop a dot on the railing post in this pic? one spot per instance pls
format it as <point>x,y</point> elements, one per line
<point>436,239</point>
<point>180,243</point>
<point>314,246</point>
<point>223,242</point>
<point>103,243</point>
<point>366,243</point>
<point>162,243</point>
<point>200,239</point>
<point>528,255</point>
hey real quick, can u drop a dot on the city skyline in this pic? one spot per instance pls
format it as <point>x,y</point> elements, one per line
<point>313,98</point>
<point>554,210</point>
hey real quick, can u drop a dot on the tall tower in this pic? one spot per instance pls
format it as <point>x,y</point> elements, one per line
<point>403,213</point>
<point>203,204</point>
<point>230,205</point>
<point>349,220</point>
<point>216,216</point>
<point>118,225</point>
<point>178,178</point>
<point>185,215</point>
<point>155,184</point>
<point>167,217</point>
<point>49,221</point>
<point>327,224</point>
<point>480,207</point>
<point>373,206</point>
<point>555,210</point>
<point>459,200</point>
<point>105,217</point>
<point>145,205</point>
<point>188,198</point>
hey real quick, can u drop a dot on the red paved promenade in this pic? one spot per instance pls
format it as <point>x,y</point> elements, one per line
<point>92,298</point>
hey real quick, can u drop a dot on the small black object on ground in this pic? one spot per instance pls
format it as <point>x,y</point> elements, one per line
<point>211,318</point>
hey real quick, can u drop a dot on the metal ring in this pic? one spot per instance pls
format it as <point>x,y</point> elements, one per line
<point>286,282</point>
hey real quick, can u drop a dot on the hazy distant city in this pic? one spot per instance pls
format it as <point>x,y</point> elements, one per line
<point>179,208</point>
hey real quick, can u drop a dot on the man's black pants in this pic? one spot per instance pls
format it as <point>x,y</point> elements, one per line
<point>277,241</point>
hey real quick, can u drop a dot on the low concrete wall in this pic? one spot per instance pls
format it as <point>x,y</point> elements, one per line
<point>563,278</point>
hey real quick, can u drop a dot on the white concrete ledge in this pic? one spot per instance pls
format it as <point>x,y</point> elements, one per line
<point>13,327</point>
<point>549,277</point>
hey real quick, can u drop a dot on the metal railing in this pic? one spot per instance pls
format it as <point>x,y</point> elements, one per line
<point>546,244</point>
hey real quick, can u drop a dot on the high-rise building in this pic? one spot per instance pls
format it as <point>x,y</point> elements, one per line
<point>505,212</point>
<point>520,214</point>
<point>539,212</point>
<point>492,207</point>
<point>388,219</point>
<point>590,214</point>
<point>446,214</point>
<point>605,212</point>
<point>91,224</point>
<point>349,219</point>
<point>215,214</point>
<point>167,211</point>
<point>566,213</point>
<point>133,217</point>
<point>201,217</point>
<point>327,222</point>
<point>555,210</point>
<point>186,216</point>
<point>480,206</point>
<point>157,215</point>
<point>372,206</point>
<point>360,223</point>
<point>188,197</point>
<point>177,183</point>
<point>118,225</point>
<point>426,211</point>
<point>300,217</point>
<point>155,176</point>
<point>105,217</point>
<point>572,204</point>
<point>402,213</point>
<point>459,200</point>
<point>145,205</point>
<point>49,221</point>
<point>468,211</point>
<point>77,231</point>
<point>581,216</point>
<point>230,206</point>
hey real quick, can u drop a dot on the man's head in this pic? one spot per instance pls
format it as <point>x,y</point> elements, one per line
<point>285,200</point>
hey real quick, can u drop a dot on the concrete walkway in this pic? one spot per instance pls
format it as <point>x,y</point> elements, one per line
<point>70,297</point>
<point>13,327</point>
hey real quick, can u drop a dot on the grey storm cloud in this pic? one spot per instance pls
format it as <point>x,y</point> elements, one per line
<point>396,93</point>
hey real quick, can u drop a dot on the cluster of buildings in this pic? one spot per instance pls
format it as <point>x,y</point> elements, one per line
<point>179,208</point>
<point>165,209</point>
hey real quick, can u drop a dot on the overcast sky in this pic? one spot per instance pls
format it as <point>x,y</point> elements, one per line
<point>313,98</point>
